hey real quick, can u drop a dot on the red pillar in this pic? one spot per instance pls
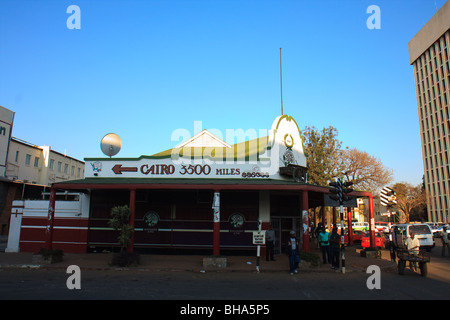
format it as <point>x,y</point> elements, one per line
<point>132,215</point>
<point>349,226</point>
<point>216,224</point>
<point>371,223</point>
<point>50,220</point>
<point>305,220</point>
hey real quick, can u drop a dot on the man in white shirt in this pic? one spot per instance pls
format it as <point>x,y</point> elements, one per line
<point>413,244</point>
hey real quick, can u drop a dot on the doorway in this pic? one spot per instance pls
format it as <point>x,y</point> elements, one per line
<point>282,226</point>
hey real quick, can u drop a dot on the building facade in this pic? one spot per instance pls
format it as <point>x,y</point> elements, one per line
<point>429,55</point>
<point>40,165</point>
<point>27,170</point>
<point>202,194</point>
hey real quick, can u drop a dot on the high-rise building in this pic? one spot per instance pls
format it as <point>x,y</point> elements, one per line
<point>429,55</point>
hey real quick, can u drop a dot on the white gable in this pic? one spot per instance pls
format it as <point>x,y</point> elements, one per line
<point>204,139</point>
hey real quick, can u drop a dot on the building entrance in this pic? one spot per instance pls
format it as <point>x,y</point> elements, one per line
<point>282,227</point>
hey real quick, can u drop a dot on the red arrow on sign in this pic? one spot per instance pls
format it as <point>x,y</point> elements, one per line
<point>118,169</point>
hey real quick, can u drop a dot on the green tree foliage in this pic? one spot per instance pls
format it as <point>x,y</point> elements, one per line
<point>120,218</point>
<point>323,154</point>
<point>326,162</point>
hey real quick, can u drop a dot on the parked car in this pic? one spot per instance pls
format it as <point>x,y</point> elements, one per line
<point>382,226</point>
<point>360,226</point>
<point>380,240</point>
<point>357,236</point>
<point>436,231</point>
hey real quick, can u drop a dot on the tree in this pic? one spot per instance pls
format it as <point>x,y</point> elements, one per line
<point>323,154</point>
<point>120,217</point>
<point>365,171</point>
<point>120,220</point>
<point>408,199</point>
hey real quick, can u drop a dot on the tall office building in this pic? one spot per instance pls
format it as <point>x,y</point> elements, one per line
<point>429,54</point>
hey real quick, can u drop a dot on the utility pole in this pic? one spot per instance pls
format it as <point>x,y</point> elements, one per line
<point>340,189</point>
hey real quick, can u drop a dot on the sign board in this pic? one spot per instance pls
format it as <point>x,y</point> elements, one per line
<point>388,197</point>
<point>334,203</point>
<point>259,237</point>
<point>256,159</point>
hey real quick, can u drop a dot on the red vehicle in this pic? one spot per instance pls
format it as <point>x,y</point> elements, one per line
<point>380,240</point>
<point>357,236</point>
<point>382,226</point>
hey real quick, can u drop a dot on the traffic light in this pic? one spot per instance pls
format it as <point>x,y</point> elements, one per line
<point>346,190</point>
<point>337,190</point>
<point>340,190</point>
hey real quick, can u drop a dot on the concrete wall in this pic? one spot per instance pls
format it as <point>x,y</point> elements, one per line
<point>27,232</point>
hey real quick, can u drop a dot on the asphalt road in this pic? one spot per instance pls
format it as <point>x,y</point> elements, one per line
<point>265,288</point>
<point>46,284</point>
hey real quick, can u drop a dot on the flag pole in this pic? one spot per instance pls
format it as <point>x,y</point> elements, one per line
<point>281,85</point>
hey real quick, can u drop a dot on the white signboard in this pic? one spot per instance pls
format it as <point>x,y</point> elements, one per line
<point>259,237</point>
<point>282,147</point>
<point>387,213</point>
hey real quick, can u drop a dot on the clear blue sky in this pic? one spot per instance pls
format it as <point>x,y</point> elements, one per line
<point>143,69</point>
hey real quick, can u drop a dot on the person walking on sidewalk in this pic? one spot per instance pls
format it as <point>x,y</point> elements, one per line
<point>444,239</point>
<point>324,238</point>
<point>292,251</point>
<point>270,242</point>
<point>334,249</point>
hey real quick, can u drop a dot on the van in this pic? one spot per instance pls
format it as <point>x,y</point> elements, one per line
<point>362,226</point>
<point>400,232</point>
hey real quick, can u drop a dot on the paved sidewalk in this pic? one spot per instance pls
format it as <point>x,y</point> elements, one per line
<point>193,263</point>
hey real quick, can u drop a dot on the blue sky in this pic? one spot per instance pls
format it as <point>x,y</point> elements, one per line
<point>143,69</point>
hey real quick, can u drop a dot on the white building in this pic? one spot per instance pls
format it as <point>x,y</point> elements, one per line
<point>40,165</point>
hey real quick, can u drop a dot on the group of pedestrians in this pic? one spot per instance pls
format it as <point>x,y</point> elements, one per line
<point>329,246</point>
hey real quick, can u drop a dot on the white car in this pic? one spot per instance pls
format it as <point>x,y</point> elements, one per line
<point>436,231</point>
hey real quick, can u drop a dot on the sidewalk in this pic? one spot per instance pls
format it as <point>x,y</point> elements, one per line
<point>194,263</point>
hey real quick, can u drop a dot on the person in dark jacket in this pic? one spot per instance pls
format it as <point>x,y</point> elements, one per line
<point>292,251</point>
<point>334,249</point>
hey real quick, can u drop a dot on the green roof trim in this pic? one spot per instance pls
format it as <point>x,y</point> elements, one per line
<point>247,150</point>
